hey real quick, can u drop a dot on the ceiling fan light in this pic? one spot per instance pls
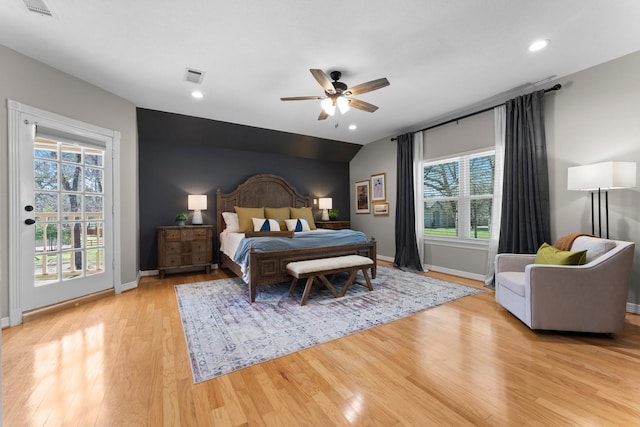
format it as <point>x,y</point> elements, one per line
<point>343,104</point>
<point>328,106</point>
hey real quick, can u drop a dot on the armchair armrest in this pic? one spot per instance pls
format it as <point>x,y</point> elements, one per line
<point>513,262</point>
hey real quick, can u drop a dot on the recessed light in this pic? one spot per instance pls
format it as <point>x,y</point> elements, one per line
<point>538,45</point>
<point>353,127</point>
<point>197,94</point>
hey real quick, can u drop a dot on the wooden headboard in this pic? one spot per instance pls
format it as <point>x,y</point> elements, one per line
<point>259,191</point>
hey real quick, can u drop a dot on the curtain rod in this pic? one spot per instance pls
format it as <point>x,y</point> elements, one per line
<point>551,89</point>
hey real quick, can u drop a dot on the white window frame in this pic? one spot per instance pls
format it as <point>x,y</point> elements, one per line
<point>464,199</point>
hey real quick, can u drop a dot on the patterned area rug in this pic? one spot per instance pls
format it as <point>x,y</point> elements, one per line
<point>224,332</point>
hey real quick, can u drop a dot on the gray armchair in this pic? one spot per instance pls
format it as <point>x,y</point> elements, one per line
<point>583,298</point>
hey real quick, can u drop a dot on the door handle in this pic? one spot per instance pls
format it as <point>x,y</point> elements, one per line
<point>28,208</point>
<point>29,221</point>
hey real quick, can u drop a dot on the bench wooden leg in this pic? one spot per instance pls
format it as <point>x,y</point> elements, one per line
<point>307,289</point>
<point>329,286</point>
<point>294,282</point>
<point>351,280</point>
<point>366,277</point>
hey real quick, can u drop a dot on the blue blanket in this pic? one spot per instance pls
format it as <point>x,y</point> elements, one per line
<point>298,241</point>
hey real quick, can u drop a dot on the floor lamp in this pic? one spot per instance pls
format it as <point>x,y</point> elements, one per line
<point>600,178</point>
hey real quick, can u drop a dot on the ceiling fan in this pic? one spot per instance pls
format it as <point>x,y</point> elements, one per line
<point>337,94</point>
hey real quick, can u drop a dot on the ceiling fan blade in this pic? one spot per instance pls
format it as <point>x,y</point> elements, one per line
<point>361,105</point>
<point>324,80</point>
<point>323,115</point>
<point>368,86</point>
<point>300,98</point>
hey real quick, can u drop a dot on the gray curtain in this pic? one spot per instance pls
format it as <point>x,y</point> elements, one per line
<point>407,256</point>
<point>525,197</point>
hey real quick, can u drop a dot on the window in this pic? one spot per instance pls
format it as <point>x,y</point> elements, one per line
<point>458,193</point>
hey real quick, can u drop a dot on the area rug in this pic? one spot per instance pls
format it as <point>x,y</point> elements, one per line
<point>224,332</point>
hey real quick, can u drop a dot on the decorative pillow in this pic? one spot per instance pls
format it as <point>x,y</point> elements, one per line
<point>594,246</point>
<point>245,215</point>
<point>262,224</point>
<point>299,224</point>
<point>278,213</point>
<point>305,213</point>
<point>547,254</point>
<point>231,220</point>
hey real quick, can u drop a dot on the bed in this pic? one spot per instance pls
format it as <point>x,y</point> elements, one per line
<point>268,267</point>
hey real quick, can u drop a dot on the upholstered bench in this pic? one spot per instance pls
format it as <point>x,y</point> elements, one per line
<point>320,268</point>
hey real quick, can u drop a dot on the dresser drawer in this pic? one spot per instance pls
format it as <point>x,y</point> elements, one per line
<point>173,248</point>
<point>173,235</point>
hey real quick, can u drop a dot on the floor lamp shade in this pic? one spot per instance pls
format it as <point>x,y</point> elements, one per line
<point>600,178</point>
<point>603,176</point>
<point>197,203</point>
<point>325,203</point>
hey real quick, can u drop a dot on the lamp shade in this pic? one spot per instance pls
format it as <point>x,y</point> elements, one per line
<point>325,203</point>
<point>603,176</point>
<point>197,202</point>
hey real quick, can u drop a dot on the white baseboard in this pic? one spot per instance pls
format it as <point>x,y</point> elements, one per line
<point>459,273</point>
<point>146,273</point>
<point>385,258</point>
<point>633,308</point>
<point>122,287</point>
<point>4,322</point>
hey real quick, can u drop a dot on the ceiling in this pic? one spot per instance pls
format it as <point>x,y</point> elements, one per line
<point>440,56</point>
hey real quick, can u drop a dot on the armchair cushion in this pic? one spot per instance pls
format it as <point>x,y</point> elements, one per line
<point>548,254</point>
<point>594,246</point>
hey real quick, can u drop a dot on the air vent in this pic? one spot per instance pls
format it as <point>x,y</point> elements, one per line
<point>194,76</point>
<point>38,6</point>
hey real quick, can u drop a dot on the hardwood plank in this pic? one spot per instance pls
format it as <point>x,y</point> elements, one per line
<point>122,360</point>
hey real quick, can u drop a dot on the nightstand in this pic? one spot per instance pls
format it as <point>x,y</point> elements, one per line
<point>185,248</point>
<point>333,225</point>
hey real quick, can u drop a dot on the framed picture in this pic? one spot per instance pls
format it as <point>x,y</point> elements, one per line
<point>381,208</point>
<point>379,187</point>
<point>362,197</point>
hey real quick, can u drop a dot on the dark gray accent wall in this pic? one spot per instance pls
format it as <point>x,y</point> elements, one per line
<point>181,155</point>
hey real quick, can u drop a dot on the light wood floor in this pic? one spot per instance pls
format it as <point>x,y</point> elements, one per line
<point>122,361</point>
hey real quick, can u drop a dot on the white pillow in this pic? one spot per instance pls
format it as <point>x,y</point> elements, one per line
<point>594,246</point>
<point>231,220</point>
<point>262,224</point>
<point>292,224</point>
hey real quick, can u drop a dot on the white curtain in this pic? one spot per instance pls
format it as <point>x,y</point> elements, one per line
<point>418,186</point>
<point>499,125</point>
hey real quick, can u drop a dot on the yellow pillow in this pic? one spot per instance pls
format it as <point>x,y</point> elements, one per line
<point>278,213</point>
<point>245,215</point>
<point>305,213</point>
<point>548,254</point>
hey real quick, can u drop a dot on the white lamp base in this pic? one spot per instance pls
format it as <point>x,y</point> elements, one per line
<point>197,217</point>
<point>325,215</point>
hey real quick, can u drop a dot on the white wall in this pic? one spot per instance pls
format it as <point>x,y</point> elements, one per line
<point>595,117</point>
<point>35,84</point>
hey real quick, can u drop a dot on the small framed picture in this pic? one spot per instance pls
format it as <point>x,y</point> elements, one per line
<point>381,208</point>
<point>362,197</point>
<point>379,187</point>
